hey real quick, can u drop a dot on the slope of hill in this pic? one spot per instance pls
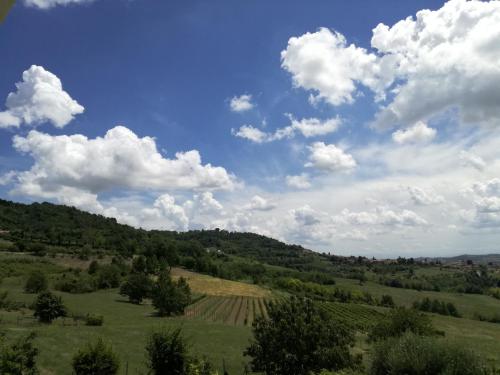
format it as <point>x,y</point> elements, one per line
<point>70,228</point>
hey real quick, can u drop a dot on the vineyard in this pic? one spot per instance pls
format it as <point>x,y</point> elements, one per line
<point>360,317</point>
<point>234,310</point>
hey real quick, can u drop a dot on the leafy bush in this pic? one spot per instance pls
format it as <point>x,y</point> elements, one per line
<point>299,338</point>
<point>75,282</point>
<point>94,320</point>
<point>36,282</point>
<point>416,355</point>
<point>9,305</point>
<point>108,276</point>
<point>93,267</point>
<point>436,306</point>
<point>168,353</point>
<point>96,359</point>
<point>400,321</point>
<point>387,301</point>
<point>48,307</point>
<point>18,358</point>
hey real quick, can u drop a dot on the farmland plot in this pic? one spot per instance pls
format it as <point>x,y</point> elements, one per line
<point>232,310</point>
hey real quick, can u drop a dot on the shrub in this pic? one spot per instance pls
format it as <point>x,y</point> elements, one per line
<point>416,355</point>
<point>136,287</point>
<point>36,282</point>
<point>108,276</point>
<point>18,358</point>
<point>299,338</point>
<point>75,282</point>
<point>400,321</point>
<point>48,307</point>
<point>167,352</point>
<point>169,297</point>
<point>93,267</point>
<point>94,320</point>
<point>96,359</point>
<point>387,301</point>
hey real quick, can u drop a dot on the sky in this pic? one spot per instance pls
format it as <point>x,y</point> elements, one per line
<point>350,127</point>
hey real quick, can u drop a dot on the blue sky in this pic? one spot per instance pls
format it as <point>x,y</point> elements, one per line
<point>343,143</point>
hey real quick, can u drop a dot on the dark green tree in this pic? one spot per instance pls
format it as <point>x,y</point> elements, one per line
<point>167,352</point>
<point>299,338</point>
<point>93,267</point>
<point>36,282</point>
<point>96,359</point>
<point>169,297</point>
<point>136,287</point>
<point>18,358</point>
<point>108,276</point>
<point>48,307</point>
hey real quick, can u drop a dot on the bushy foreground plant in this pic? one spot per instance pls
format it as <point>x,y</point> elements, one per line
<point>18,358</point>
<point>299,338</point>
<point>400,321</point>
<point>412,354</point>
<point>96,359</point>
<point>168,353</point>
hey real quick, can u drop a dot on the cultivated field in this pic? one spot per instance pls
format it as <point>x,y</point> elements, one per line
<point>234,310</point>
<point>213,286</point>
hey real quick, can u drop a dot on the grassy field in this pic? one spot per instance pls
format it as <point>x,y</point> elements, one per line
<point>126,327</point>
<point>217,325</point>
<point>467,304</point>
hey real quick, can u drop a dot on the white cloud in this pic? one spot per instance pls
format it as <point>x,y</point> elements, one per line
<point>418,133</point>
<point>417,68</point>
<point>381,216</point>
<point>424,198</point>
<point>329,158</point>
<point>206,203</point>
<point>305,215</point>
<point>251,133</point>
<point>309,127</point>
<point>299,181</point>
<point>241,103</point>
<point>257,203</point>
<point>166,214</point>
<point>47,4</point>
<point>39,98</point>
<point>119,160</point>
<point>7,178</point>
<point>473,160</point>
<point>323,62</point>
<point>312,127</point>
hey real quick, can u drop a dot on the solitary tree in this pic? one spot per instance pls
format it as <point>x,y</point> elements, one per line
<point>49,307</point>
<point>96,359</point>
<point>136,287</point>
<point>169,297</point>
<point>298,338</point>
